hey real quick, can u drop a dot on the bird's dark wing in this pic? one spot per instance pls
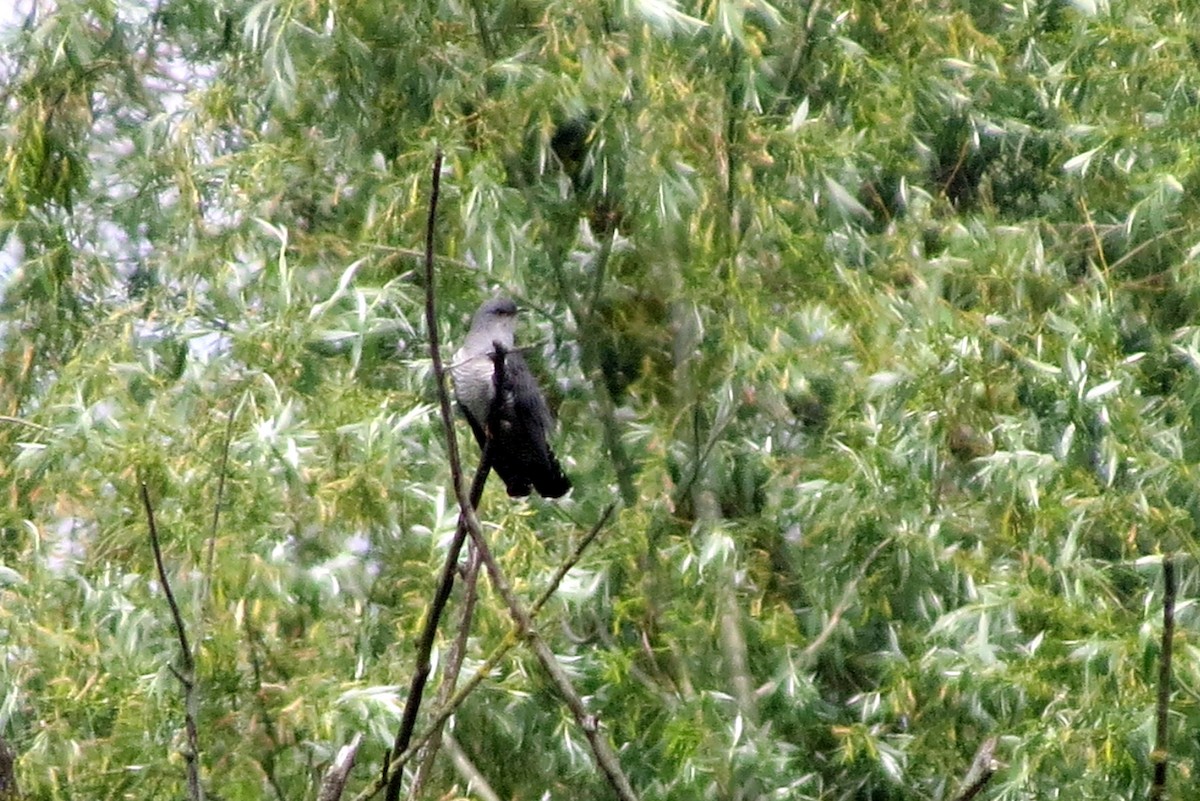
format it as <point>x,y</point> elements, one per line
<point>521,452</point>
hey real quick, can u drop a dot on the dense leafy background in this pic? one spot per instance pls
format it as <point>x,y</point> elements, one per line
<point>878,317</point>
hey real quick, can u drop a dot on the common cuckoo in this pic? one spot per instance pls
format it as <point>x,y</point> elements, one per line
<point>520,423</point>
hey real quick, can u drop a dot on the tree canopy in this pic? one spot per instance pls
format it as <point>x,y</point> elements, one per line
<point>877,320</point>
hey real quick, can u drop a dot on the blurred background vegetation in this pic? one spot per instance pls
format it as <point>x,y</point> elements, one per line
<point>877,317</point>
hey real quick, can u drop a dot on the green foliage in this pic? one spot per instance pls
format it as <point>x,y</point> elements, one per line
<point>880,320</point>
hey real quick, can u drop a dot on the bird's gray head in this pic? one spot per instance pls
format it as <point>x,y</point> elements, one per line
<point>497,314</point>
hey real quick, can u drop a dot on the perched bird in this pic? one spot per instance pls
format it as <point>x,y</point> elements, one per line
<point>521,425</point>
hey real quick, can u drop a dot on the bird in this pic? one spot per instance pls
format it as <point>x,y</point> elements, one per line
<point>520,422</point>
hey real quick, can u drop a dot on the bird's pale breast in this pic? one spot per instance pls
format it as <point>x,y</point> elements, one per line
<point>473,383</point>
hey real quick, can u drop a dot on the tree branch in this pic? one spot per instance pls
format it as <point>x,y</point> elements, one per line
<point>210,556</point>
<point>844,604</point>
<point>187,672</point>
<point>416,255</point>
<point>982,768</point>
<point>412,703</point>
<point>222,472</point>
<point>572,559</point>
<point>416,689</point>
<point>485,37</point>
<point>734,649</point>
<point>476,782</point>
<point>339,772</point>
<point>1160,755</point>
<point>605,757</point>
<point>454,662</point>
<point>17,421</point>
<point>399,759</point>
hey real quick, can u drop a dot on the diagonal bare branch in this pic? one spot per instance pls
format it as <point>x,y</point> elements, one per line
<point>186,673</point>
<point>454,663</point>
<point>983,767</point>
<point>339,772</point>
<point>602,751</point>
<point>1161,756</point>
<point>400,759</point>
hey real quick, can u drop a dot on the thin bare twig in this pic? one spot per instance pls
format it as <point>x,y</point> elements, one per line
<point>412,704</point>
<point>598,274</point>
<point>416,255</point>
<point>17,421</point>
<point>267,762</point>
<point>844,604</point>
<point>572,559</point>
<point>980,773</point>
<point>222,473</point>
<point>454,662</point>
<point>476,781</point>
<point>669,698</point>
<point>210,556</point>
<point>187,670</point>
<point>339,772</point>
<point>702,453</point>
<point>441,596</point>
<point>399,759</point>
<point>603,753</point>
<point>446,584</point>
<point>1161,756</point>
<point>1136,249</point>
